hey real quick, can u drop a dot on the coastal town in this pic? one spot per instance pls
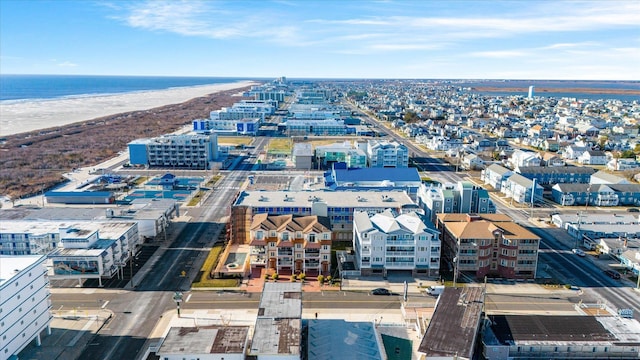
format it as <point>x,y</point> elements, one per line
<point>369,219</point>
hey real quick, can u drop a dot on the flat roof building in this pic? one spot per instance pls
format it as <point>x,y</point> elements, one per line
<point>454,327</point>
<point>337,205</point>
<point>560,337</point>
<point>25,303</point>
<point>213,342</point>
<point>278,330</point>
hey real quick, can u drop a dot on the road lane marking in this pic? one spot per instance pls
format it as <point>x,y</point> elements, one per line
<point>188,298</point>
<point>105,304</point>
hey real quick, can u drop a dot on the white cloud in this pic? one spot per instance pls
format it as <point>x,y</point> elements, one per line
<point>501,54</point>
<point>67,64</point>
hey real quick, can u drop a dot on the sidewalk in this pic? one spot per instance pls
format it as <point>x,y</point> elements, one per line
<point>71,332</point>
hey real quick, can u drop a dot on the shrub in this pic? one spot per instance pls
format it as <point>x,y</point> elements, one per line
<point>321,279</point>
<point>267,276</point>
<point>302,276</point>
<point>274,277</point>
<point>329,279</point>
<point>293,278</point>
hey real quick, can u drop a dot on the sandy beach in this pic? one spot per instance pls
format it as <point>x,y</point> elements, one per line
<point>27,116</point>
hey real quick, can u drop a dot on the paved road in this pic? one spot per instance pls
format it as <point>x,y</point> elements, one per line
<point>136,312</point>
<point>569,269</point>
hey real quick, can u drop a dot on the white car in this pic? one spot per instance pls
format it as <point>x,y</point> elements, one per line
<point>578,252</point>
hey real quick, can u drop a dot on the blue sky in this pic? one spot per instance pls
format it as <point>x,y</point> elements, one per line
<point>590,40</point>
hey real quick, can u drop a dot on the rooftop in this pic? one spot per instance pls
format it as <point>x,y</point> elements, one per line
<point>304,199</point>
<point>213,339</point>
<point>455,323</point>
<point>12,265</point>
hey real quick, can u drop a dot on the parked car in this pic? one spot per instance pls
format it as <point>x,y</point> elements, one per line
<point>633,210</point>
<point>380,291</point>
<point>579,252</point>
<point>435,290</point>
<point>612,274</point>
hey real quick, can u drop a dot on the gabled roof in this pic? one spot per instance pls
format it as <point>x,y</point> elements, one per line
<point>555,170</point>
<point>311,223</point>
<point>500,170</point>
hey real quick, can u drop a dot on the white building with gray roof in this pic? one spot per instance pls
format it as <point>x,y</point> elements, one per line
<point>386,242</point>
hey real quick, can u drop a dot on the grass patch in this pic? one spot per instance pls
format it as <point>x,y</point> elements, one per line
<point>141,180</point>
<point>214,179</point>
<point>204,280</point>
<point>279,145</point>
<point>234,140</point>
<point>196,198</point>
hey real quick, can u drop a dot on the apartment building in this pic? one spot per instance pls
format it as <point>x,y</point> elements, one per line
<point>24,302</point>
<point>488,245</point>
<point>388,241</point>
<point>291,244</point>
<point>338,206</point>
<point>452,198</point>
<point>192,151</point>
<point>382,153</point>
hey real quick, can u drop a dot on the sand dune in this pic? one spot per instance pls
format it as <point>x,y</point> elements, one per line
<point>27,116</point>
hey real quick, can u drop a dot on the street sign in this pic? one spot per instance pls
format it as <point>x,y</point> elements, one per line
<point>626,313</point>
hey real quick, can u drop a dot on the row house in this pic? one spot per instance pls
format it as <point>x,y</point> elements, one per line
<point>556,174</point>
<point>387,242</point>
<point>596,194</point>
<point>490,245</point>
<point>290,244</point>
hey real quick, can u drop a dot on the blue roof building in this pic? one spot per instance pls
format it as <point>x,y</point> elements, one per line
<point>341,178</point>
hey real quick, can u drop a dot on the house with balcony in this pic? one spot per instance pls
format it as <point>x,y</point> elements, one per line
<point>522,189</point>
<point>290,244</point>
<point>488,245</point>
<point>596,194</point>
<point>494,175</point>
<point>592,157</point>
<point>387,242</point>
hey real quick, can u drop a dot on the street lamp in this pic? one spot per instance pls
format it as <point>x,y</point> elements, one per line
<point>177,297</point>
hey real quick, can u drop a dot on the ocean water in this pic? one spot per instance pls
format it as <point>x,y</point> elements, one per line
<point>16,88</point>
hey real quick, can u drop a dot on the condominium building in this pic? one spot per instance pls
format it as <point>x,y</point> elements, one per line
<point>74,250</point>
<point>291,244</point>
<point>24,303</point>
<point>488,245</point>
<point>328,127</point>
<point>338,206</point>
<point>341,152</point>
<point>384,153</point>
<point>387,241</point>
<point>243,126</point>
<point>193,151</point>
<point>461,197</point>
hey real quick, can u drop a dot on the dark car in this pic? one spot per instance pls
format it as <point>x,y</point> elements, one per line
<point>612,274</point>
<point>633,210</point>
<point>380,291</point>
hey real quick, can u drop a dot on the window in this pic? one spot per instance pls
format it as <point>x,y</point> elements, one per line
<point>312,237</point>
<point>298,246</point>
<point>285,236</point>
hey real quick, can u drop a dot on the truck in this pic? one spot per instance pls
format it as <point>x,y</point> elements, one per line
<point>435,290</point>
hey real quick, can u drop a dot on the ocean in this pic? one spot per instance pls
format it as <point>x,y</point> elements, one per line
<point>17,88</point>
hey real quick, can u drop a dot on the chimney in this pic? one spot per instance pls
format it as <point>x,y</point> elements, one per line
<point>473,217</point>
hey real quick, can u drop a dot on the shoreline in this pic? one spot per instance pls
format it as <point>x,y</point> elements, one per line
<point>33,115</point>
